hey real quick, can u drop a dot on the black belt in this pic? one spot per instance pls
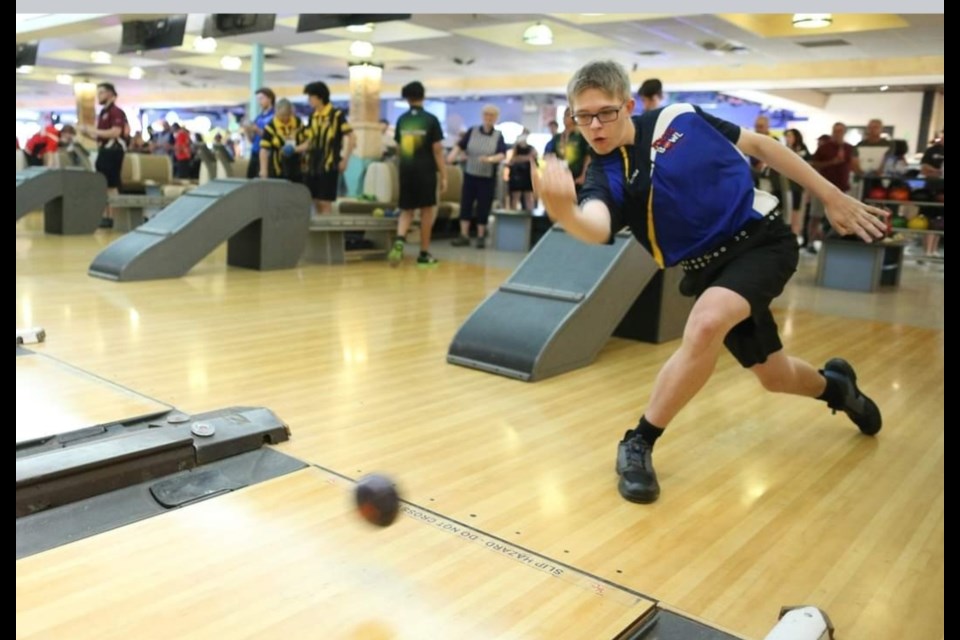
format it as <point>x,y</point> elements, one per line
<point>702,262</point>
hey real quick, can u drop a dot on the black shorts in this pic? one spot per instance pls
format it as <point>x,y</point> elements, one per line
<point>289,168</point>
<point>418,190</point>
<point>110,164</point>
<point>758,270</point>
<point>253,167</point>
<point>796,193</point>
<point>323,186</point>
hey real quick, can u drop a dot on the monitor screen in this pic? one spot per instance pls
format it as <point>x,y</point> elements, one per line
<point>27,54</point>
<point>318,21</point>
<point>221,25</point>
<point>163,33</point>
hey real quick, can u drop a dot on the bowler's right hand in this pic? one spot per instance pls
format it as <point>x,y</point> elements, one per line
<point>554,185</point>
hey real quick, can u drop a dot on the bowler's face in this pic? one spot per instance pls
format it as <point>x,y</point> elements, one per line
<point>604,137</point>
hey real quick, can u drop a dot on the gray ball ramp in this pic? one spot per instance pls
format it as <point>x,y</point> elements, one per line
<point>264,222</point>
<point>557,310</point>
<point>72,199</point>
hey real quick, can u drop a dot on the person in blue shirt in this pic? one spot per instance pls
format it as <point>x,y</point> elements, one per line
<point>680,180</point>
<point>266,98</point>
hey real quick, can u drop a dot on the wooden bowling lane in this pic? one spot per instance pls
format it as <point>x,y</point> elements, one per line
<point>767,501</point>
<point>291,558</point>
<point>54,397</point>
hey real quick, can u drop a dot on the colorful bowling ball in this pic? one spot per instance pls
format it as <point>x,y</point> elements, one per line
<point>877,193</point>
<point>899,193</point>
<point>937,223</point>
<point>898,222</point>
<point>920,223</point>
<point>921,195</point>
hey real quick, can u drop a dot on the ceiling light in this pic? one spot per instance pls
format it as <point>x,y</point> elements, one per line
<point>204,45</point>
<point>25,69</point>
<point>361,49</point>
<point>884,87</point>
<point>136,73</point>
<point>64,78</point>
<point>538,35</point>
<point>812,20</point>
<point>231,63</point>
<point>360,28</point>
<point>100,57</point>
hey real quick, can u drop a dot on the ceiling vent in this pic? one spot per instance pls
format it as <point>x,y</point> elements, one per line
<point>820,44</point>
<point>724,48</point>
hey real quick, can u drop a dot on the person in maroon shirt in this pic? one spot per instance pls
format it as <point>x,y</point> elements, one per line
<point>834,160</point>
<point>111,135</point>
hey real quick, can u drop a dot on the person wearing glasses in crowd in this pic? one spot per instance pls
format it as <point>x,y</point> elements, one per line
<point>678,178</point>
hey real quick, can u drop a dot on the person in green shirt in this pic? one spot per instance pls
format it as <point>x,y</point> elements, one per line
<point>420,160</point>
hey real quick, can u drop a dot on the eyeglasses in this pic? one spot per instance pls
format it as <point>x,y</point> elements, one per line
<point>604,116</point>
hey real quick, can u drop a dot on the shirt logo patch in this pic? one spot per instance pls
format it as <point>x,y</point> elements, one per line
<point>665,142</point>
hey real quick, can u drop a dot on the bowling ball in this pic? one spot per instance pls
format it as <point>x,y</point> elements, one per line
<point>939,197</point>
<point>288,150</point>
<point>937,223</point>
<point>898,221</point>
<point>877,193</point>
<point>920,223</point>
<point>378,213</point>
<point>377,499</point>
<point>899,193</point>
<point>921,195</point>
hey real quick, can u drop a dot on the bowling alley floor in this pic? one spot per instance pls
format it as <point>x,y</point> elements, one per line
<point>767,501</point>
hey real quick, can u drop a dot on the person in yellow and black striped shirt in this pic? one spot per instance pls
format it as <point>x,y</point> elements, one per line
<point>328,145</point>
<point>278,153</point>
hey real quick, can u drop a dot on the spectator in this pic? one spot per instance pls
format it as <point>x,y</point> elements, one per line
<point>254,130</point>
<point>519,160</point>
<point>419,141</point>
<point>833,159</point>
<point>571,147</point>
<point>872,162</point>
<point>111,133</point>
<point>182,153</point>
<point>387,140</point>
<point>794,140</point>
<point>484,149</point>
<point>329,141</point>
<point>278,153</point>
<point>651,94</point>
